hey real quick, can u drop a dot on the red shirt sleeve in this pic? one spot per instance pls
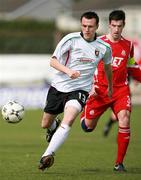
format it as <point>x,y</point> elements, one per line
<point>135,72</point>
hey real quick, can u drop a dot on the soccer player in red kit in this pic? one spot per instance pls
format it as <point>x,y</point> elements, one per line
<point>134,72</point>
<point>120,103</point>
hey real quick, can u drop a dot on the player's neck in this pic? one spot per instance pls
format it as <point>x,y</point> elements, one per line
<point>93,39</point>
<point>112,39</point>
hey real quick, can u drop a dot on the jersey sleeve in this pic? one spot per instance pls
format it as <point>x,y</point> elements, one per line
<point>64,46</point>
<point>134,71</point>
<point>107,56</point>
<point>131,60</point>
<point>62,49</point>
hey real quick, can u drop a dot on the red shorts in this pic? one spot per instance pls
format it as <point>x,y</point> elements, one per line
<point>95,106</point>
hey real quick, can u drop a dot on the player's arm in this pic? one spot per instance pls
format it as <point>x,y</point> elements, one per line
<point>93,88</point>
<point>57,60</point>
<point>134,70</point>
<point>60,67</point>
<point>108,71</point>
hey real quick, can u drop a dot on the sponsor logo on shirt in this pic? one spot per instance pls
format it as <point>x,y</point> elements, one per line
<point>86,60</point>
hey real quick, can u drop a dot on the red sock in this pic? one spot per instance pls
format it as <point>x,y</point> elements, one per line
<point>123,141</point>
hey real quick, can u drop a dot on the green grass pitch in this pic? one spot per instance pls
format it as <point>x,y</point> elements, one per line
<point>82,157</point>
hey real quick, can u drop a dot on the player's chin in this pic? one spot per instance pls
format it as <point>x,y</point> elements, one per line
<point>87,37</point>
<point>116,36</point>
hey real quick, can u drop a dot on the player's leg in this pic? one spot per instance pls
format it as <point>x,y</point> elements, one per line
<point>91,113</point>
<point>52,108</point>
<point>50,120</point>
<point>47,122</point>
<point>72,109</point>
<point>112,119</point>
<point>53,128</point>
<point>51,123</point>
<point>123,138</point>
<point>88,125</point>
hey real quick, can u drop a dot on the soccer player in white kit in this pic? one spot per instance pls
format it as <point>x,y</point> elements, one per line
<point>75,59</point>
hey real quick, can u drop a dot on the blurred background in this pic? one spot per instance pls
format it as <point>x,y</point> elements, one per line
<point>31,29</point>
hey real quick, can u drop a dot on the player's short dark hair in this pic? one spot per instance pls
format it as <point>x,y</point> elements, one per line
<point>90,15</point>
<point>117,15</point>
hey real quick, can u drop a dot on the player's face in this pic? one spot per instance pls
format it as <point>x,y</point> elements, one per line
<point>89,27</point>
<point>116,28</point>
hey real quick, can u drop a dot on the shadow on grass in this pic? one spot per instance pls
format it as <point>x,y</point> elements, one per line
<point>134,170</point>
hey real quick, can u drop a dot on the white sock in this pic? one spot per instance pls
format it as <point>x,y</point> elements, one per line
<point>57,139</point>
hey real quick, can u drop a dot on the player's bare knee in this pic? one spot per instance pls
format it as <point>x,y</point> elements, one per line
<point>124,119</point>
<point>85,127</point>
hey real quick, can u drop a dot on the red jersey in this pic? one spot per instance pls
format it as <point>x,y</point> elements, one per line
<point>122,51</point>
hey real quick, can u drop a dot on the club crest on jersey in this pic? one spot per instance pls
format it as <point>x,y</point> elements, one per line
<point>96,52</point>
<point>123,53</point>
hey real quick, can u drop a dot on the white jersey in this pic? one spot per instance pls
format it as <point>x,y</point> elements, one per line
<point>78,54</point>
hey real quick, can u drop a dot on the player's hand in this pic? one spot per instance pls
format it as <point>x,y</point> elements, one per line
<point>73,74</point>
<point>93,91</point>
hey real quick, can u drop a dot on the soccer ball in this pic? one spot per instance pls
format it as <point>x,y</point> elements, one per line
<point>12,112</point>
